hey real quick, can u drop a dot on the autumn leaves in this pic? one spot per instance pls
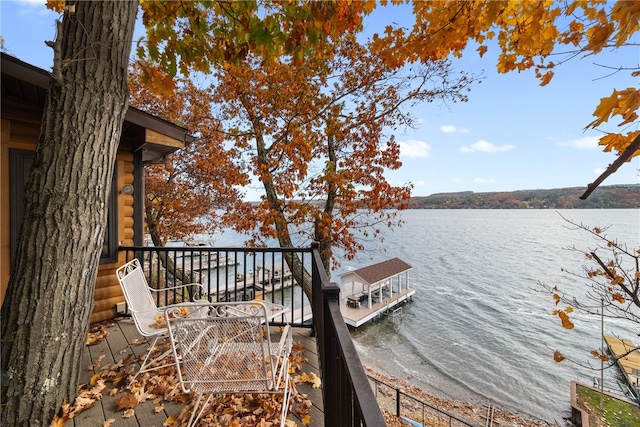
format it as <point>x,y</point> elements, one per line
<point>161,388</point>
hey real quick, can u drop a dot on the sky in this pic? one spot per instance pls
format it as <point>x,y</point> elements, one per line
<point>511,135</point>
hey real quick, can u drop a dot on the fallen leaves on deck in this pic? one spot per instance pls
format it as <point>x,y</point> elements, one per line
<point>96,334</point>
<point>310,378</point>
<point>126,401</point>
<point>161,386</point>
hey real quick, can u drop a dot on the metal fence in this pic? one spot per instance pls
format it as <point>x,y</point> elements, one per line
<point>231,274</point>
<point>348,398</point>
<point>401,404</point>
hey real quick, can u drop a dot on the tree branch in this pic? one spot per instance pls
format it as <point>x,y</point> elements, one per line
<point>626,155</point>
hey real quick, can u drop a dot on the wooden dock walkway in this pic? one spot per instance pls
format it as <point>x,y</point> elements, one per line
<point>123,343</point>
<point>356,317</point>
<point>629,364</point>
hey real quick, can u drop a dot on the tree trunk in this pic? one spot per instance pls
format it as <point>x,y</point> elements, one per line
<point>300,274</point>
<point>323,230</point>
<point>45,315</point>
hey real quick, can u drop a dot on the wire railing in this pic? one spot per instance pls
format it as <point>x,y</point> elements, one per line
<point>393,400</point>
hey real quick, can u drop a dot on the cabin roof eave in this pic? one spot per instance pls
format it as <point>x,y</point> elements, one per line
<point>33,80</point>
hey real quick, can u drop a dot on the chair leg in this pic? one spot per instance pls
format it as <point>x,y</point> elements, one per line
<point>286,395</point>
<point>146,363</point>
<point>285,404</point>
<point>194,418</point>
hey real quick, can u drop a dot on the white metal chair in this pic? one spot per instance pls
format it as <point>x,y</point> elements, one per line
<point>145,312</point>
<point>227,352</point>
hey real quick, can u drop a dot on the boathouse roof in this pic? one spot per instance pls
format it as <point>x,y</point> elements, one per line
<point>377,272</point>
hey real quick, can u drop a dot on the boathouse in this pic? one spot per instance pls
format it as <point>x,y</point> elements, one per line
<point>368,292</point>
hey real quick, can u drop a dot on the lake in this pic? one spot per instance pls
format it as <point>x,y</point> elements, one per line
<point>479,329</point>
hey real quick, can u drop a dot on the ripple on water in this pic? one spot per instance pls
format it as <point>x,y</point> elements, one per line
<point>477,329</point>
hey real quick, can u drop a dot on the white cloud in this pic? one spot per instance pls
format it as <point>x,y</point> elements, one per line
<point>585,143</point>
<point>484,180</point>
<point>599,171</point>
<point>453,129</point>
<point>35,8</point>
<point>485,147</point>
<point>414,149</point>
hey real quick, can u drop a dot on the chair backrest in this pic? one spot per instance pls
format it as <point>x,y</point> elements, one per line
<point>140,302</point>
<point>224,351</point>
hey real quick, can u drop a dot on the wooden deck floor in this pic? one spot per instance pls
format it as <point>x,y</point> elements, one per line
<point>123,340</point>
<point>629,364</point>
<point>359,316</point>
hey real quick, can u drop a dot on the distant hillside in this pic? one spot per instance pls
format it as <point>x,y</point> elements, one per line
<point>604,197</point>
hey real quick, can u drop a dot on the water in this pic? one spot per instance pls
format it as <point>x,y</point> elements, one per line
<point>478,329</point>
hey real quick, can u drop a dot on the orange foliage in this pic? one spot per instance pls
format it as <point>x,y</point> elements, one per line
<point>56,5</point>
<point>199,35</point>
<point>597,354</point>
<point>315,137</point>
<point>183,193</point>
<point>290,40</point>
<point>195,35</point>
<point>564,318</point>
<point>613,287</point>
<point>558,357</point>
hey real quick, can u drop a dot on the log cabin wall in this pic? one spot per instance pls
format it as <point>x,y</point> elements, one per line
<point>145,138</point>
<point>20,129</point>
<point>16,134</point>
<point>107,290</point>
<point>5,212</point>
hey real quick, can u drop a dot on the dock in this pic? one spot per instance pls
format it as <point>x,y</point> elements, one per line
<point>627,360</point>
<point>205,261</point>
<point>357,316</point>
<point>300,315</point>
<point>378,289</point>
<point>263,279</point>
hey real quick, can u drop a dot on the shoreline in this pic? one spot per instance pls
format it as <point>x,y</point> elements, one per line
<point>466,411</point>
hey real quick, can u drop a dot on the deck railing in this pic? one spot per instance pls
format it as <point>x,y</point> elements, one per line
<point>347,393</point>
<point>229,274</point>
<point>244,273</point>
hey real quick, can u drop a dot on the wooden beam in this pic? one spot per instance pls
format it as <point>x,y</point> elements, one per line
<point>156,138</point>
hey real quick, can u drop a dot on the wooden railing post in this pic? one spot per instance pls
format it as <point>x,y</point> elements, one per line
<point>336,387</point>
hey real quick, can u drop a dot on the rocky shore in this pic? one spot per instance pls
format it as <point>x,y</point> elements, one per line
<point>472,414</point>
